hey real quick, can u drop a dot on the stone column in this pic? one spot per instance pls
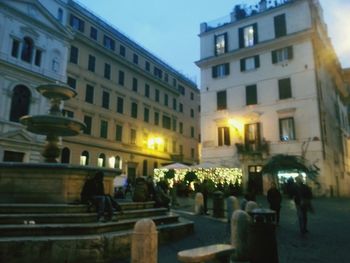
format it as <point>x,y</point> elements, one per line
<point>144,246</point>
<point>240,222</point>
<point>250,206</point>
<point>198,203</point>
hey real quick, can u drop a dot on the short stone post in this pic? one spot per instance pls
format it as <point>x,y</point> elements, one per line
<point>232,204</point>
<point>250,206</point>
<point>240,222</point>
<point>144,246</point>
<point>198,203</point>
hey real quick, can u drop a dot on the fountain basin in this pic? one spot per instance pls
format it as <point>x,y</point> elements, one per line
<point>52,125</point>
<point>53,183</point>
<point>56,91</point>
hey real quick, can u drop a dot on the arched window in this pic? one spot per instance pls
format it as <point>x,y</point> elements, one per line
<point>145,168</point>
<point>118,162</point>
<point>65,155</point>
<point>101,161</point>
<point>60,14</point>
<point>20,102</point>
<point>84,158</point>
<point>27,49</point>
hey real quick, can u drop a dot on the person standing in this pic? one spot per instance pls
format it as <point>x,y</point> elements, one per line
<point>302,200</point>
<point>274,198</point>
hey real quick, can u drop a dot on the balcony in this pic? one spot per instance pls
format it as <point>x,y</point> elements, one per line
<point>258,149</point>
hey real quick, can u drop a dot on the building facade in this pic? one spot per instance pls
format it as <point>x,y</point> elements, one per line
<point>272,84</point>
<point>140,113</point>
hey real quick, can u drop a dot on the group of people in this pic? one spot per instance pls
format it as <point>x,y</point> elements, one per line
<point>302,195</point>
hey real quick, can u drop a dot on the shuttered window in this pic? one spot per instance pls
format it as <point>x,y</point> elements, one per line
<point>251,95</point>
<point>221,100</point>
<point>280,25</point>
<point>284,88</point>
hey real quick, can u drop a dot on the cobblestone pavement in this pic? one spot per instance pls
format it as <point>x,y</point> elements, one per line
<point>327,241</point>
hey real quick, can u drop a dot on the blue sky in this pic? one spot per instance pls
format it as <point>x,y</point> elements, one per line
<point>169,28</point>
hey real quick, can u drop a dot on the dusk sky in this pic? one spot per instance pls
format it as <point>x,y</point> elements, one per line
<point>169,29</point>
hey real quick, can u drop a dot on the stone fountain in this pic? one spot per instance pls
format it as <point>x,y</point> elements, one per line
<point>49,182</point>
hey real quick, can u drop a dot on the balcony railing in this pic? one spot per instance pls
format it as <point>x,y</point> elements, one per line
<point>253,149</point>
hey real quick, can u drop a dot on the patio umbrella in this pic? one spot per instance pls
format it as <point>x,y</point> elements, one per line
<point>174,166</point>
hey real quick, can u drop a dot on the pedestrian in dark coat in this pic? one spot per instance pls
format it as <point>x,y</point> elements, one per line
<point>274,198</point>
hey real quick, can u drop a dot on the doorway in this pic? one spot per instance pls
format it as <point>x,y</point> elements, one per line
<point>255,182</point>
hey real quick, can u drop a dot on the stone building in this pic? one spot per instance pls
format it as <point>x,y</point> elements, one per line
<point>140,113</point>
<point>272,84</point>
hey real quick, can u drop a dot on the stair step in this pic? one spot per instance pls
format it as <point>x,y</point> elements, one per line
<point>79,229</point>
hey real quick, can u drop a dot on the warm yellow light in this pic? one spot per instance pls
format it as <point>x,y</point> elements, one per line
<point>236,124</point>
<point>155,142</point>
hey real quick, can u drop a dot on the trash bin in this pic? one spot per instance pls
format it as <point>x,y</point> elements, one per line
<point>262,236</point>
<point>218,204</point>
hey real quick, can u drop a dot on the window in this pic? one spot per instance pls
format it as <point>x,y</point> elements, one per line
<point>105,99</point>
<point>174,124</point>
<point>147,90</point>
<point>192,96</point>
<point>27,49</point>
<point>220,44</point>
<point>147,66</point>
<point>166,77</point>
<point>60,15</point>
<point>65,155</point>
<point>134,110</point>
<point>284,88</point>
<point>174,104</point>
<point>101,160</point>
<point>156,118</point>
<point>287,129</point>
<point>224,136</point>
<point>192,131</point>
<point>121,78</point>
<point>122,51</point>
<point>252,136</point>
<point>251,95</point>
<point>74,53</point>
<point>91,63</point>
<point>135,59</point>
<point>280,25</point>
<point>107,71</point>
<point>146,114</point>
<point>158,72</point>
<point>166,122</point>
<point>192,113</point>
<point>88,122</point>
<point>166,99</point>
<point>174,146</point>
<point>145,168</point>
<point>20,102</point>
<point>68,113</point>
<point>84,158</point>
<point>192,153</point>
<point>174,82</point>
<point>221,100</point>
<point>134,84</point>
<point>120,105</point>
<point>221,70</point>
<point>132,136</point>
<point>282,54</point>
<point>10,156</point>
<point>72,82</point>
<point>248,36</point>
<point>37,59</point>
<point>181,127</point>
<point>250,63</point>
<point>108,43</point>
<point>93,33</point>
<point>118,133</point>
<point>15,48</point>
<point>76,23</point>
<point>181,107</point>
<point>104,129</point>
<point>181,149</point>
<point>181,89</point>
<point>157,95</point>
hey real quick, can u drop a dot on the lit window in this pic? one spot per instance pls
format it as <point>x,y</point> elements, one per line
<point>252,136</point>
<point>221,44</point>
<point>282,54</point>
<point>287,129</point>
<point>248,36</point>
<point>108,43</point>
<point>221,70</point>
<point>224,136</point>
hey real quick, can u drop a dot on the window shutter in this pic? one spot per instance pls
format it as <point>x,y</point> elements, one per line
<point>241,38</point>
<point>274,56</point>
<point>290,52</point>
<point>251,95</point>
<point>226,43</point>
<point>227,69</point>
<point>280,25</point>
<point>285,90</point>
<point>227,136</point>
<point>255,28</point>
<point>257,139</point>
<point>215,49</point>
<point>242,64</point>
<point>214,71</point>
<point>257,61</point>
<point>219,136</point>
<point>246,134</point>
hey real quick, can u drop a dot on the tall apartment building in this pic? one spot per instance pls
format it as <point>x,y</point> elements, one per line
<point>140,113</point>
<point>272,84</point>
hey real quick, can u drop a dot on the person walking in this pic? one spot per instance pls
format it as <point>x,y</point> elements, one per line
<point>274,198</point>
<point>302,200</point>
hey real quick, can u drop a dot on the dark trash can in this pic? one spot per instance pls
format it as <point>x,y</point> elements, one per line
<point>218,204</point>
<point>262,236</point>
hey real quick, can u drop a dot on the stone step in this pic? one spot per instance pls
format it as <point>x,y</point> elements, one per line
<point>84,248</point>
<point>63,208</point>
<point>12,230</point>
<point>55,218</point>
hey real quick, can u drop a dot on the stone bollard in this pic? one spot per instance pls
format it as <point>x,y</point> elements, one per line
<point>198,203</point>
<point>240,222</point>
<point>250,206</point>
<point>232,204</point>
<point>144,246</point>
